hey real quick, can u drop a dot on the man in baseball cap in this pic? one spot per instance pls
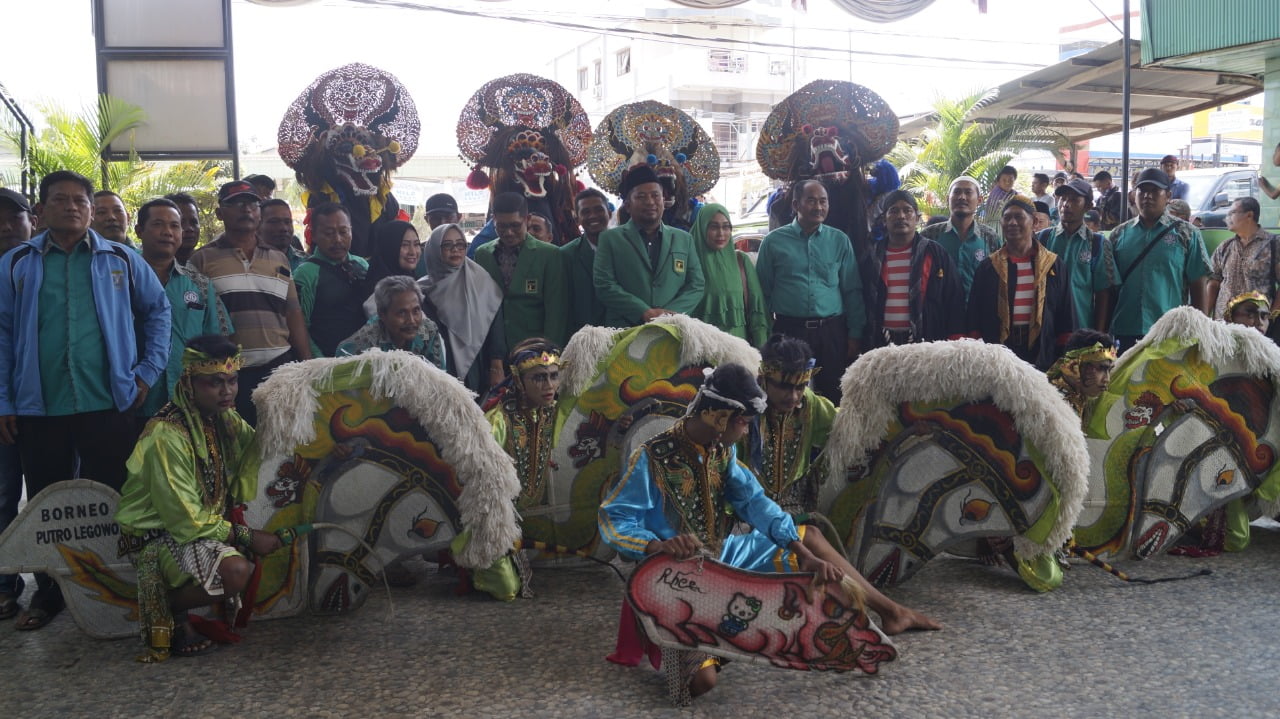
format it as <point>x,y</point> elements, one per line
<point>1090,266</point>
<point>441,209</point>
<point>263,186</point>
<point>1161,260</point>
<point>15,219</point>
<point>230,192</point>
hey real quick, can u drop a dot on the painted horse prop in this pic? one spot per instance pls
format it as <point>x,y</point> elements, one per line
<point>1188,426</point>
<point>620,387</point>
<point>939,444</point>
<point>69,530</point>
<point>391,450</point>
<point>705,606</point>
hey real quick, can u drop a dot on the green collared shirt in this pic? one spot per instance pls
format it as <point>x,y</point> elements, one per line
<point>195,310</point>
<point>73,354</point>
<point>811,276</point>
<point>968,252</point>
<point>1159,282</point>
<point>1086,273</point>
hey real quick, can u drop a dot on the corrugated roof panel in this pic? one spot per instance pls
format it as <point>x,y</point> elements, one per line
<point>1171,28</point>
<point>1081,96</point>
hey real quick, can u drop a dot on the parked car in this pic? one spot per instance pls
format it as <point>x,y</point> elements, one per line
<point>1211,191</point>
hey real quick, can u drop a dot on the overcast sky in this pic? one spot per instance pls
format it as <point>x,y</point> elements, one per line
<point>442,58</point>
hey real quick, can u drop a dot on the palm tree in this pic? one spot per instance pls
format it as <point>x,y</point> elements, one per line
<point>76,141</point>
<point>957,145</point>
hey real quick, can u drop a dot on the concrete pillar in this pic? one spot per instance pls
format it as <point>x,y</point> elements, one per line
<point>1270,138</point>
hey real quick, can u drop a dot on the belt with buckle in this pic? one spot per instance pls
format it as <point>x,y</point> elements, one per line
<point>899,337</point>
<point>808,323</point>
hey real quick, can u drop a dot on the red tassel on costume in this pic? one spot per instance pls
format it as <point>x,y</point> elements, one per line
<point>306,231</point>
<point>578,186</point>
<point>215,629</point>
<point>632,644</point>
<point>478,179</point>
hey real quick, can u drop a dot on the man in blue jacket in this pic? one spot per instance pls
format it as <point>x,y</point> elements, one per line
<point>72,366</point>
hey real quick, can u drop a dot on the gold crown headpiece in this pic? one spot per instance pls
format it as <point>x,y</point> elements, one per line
<point>544,359</point>
<point>1253,296</point>
<point>1093,353</point>
<point>772,369</point>
<point>195,362</point>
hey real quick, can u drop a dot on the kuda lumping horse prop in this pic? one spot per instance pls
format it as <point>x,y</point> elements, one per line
<point>706,606</point>
<point>939,444</point>
<point>1188,426</point>
<point>620,387</point>
<point>392,451</point>
<point>69,531</point>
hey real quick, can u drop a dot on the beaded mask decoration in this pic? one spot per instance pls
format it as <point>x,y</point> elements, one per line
<point>826,115</point>
<point>659,135</point>
<point>522,101</point>
<point>376,108</point>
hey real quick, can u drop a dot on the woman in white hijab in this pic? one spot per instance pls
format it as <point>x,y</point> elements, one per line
<point>467,305</point>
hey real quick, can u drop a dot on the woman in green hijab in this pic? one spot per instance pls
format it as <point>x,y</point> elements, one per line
<point>732,300</point>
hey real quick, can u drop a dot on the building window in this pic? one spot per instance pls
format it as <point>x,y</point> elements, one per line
<point>624,62</point>
<point>726,61</point>
<point>726,138</point>
<point>582,78</point>
<point>596,74</point>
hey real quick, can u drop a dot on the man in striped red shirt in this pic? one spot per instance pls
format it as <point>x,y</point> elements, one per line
<point>918,297</point>
<point>1020,296</point>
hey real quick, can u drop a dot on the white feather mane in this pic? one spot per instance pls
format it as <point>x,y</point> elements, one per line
<point>1218,343</point>
<point>585,350</point>
<point>704,344</point>
<point>287,403</point>
<point>965,370</point>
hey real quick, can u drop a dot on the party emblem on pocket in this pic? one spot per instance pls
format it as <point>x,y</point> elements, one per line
<point>531,287</point>
<point>679,265</point>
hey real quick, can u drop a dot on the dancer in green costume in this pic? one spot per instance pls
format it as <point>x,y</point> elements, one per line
<point>184,479</point>
<point>522,416</point>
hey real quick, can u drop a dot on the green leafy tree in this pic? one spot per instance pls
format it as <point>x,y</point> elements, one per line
<point>957,145</point>
<point>76,141</point>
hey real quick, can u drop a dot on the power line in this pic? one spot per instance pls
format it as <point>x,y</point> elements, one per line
<point>677,20</point>
<point>675,38</point>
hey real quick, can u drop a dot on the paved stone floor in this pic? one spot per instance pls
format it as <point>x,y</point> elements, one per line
<point>1205,647</point>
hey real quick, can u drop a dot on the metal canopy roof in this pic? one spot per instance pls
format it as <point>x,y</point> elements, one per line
<point>1081,96</point>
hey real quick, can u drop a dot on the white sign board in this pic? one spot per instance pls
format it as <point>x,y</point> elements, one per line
<point>1224,122</point>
